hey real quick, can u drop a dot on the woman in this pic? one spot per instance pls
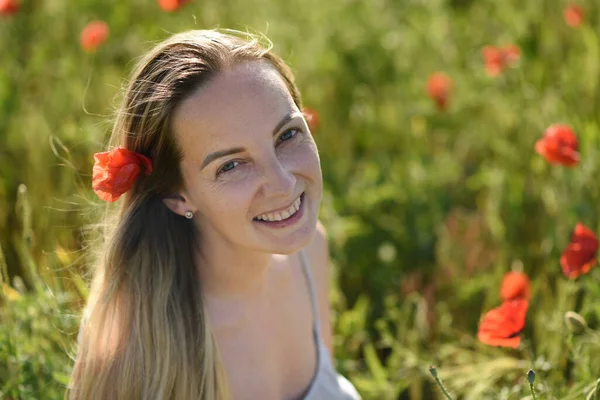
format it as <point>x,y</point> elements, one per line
<point>213,280</point>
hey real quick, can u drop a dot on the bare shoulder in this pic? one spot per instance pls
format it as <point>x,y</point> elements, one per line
<point>318,255</point>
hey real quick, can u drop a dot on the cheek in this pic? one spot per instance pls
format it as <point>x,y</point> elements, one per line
<point>230,200</point>
<point>313,163</point>
<point>305,158</point>
<point>214,201</point>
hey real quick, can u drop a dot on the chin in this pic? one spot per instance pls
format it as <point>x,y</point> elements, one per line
<point>298,240</point>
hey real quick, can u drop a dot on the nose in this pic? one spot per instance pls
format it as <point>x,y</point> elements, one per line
<point>279,181</point>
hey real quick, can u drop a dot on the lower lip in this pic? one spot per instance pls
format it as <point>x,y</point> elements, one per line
<point>286,222</point>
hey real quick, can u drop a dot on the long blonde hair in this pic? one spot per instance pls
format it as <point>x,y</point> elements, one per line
<point>147,334</point>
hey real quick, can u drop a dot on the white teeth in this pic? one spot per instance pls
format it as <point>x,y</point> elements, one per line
<point>278,216</point>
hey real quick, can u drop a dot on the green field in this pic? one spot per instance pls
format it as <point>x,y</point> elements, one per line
<point>426,208</point>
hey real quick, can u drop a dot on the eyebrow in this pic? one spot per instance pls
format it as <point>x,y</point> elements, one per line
<point>222,153</point>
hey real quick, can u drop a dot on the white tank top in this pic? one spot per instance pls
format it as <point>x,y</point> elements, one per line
<point>327,383</point>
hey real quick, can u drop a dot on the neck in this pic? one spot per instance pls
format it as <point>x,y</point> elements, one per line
<point>236,285</point>
<point>228,273</point>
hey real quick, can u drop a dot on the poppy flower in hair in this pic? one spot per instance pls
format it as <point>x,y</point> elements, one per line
<point>502,325</point>
<point>580,255</point>
<point>116,171</point>
<point>559,145</point>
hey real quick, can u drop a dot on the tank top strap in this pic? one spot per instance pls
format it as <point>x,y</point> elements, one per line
<point>313,294</point>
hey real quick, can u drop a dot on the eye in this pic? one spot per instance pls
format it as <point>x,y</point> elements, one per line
<point>287,135</point>
<point>227,166</point>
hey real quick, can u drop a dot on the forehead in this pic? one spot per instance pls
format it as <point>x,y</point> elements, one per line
<point>239,102</point>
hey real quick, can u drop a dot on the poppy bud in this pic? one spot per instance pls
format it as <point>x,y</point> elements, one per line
<point>531,376</point>
<point>433,371</point>
<point>575,322</point>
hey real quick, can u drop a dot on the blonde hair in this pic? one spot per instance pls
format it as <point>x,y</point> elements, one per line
<point>147,334</point>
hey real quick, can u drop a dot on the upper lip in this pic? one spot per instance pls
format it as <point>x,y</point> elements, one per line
<point>281,209</point>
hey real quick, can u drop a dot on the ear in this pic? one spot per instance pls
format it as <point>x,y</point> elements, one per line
<point>179,203</point>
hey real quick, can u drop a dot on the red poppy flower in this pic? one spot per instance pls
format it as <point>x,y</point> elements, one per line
<point>515,285</point>
<point>501,326</point>
<point>116,171</point>
<point>93,35</point>
<point>559,145</point>
<point>171,5</point>
<point>498,58</point>
<point>573,15</point>
<point>8,7</point>
<point>493,60</point>
<point>312,118</point>
<point>580,255</point>
<point>438,88</point>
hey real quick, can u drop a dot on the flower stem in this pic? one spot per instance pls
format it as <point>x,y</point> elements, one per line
<point>532,391</point>
<point>433,373</point>
<point>531,380</point>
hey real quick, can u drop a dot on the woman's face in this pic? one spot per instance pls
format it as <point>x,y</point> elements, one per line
<point>248,160</point>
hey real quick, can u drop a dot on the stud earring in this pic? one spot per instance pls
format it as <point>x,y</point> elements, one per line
<point>189,214</point>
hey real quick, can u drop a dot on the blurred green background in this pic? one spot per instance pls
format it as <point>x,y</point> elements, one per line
<point>425,210</point>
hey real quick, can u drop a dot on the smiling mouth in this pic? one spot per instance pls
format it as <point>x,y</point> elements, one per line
<point>282,215</point>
